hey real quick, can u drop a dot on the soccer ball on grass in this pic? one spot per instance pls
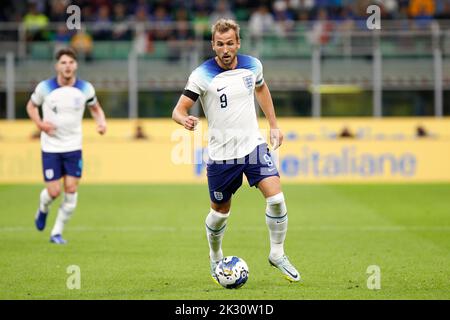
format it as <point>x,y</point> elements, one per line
<point>232,272</point>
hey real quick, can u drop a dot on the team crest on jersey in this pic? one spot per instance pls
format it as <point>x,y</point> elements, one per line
<point>49,173</point>
<point>218,195</point>
<point>248,80</point>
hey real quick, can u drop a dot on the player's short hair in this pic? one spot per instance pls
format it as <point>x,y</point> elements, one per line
<point>66,51</point>
<point>223,25</point>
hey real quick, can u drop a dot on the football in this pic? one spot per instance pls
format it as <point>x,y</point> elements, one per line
<point>232,272</point>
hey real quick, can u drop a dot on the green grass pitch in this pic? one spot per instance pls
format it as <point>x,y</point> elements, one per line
<point>148,242</point>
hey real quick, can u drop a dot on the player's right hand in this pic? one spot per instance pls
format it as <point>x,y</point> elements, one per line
<point>47,127</point>
<point>190,122</point>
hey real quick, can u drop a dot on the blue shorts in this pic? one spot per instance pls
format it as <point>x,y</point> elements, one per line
<point>57,165</point>
<point>225,177</point>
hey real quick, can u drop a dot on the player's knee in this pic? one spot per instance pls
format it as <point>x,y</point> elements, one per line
<point>276,206</point>
<point>70,202</point>
<point>224,212</point>
<point>54,191</point>
<point>223,208</point>
<point>70,188</point>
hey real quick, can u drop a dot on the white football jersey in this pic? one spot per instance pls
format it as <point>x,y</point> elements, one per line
<point>227,98</point>
<point>64,108</point>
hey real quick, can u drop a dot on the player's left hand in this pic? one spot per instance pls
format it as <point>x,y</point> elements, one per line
<point>276,138</point>
<point>101,128</point>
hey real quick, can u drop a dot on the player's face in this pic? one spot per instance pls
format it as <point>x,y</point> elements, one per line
<point>226,46</point>
<point>66,67</point>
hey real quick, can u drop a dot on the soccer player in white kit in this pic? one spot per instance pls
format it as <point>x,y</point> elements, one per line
<point>63,100</point>
<point>226,86</point>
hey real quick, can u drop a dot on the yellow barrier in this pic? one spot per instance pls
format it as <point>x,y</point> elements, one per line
<point>382,150</point>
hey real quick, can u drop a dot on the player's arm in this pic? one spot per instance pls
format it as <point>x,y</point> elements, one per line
<point>33,113</point>
<point>264,99</point>
<point>180,113</point>
<point>99,117</point>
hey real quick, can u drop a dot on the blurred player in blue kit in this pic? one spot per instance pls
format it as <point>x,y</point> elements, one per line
<point>226,86</point>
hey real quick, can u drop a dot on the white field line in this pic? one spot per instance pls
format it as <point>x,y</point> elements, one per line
<point>152,228</point>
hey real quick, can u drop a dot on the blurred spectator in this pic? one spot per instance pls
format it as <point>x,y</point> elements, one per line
<point>183,29</point>
<point>302,16</point>
<point>181,40</point>
<point>41,5</point>
<point>201,24</point>
<point>303,24</point>
<point>141,5</point>
<point>121,28</point>
<point>301,5</point>
<point>222,10</point>
<point>346,133</point>
<point>139,134</point>
<point>322,29</point>
<point>103,24</point>
<point>284,23</point>
<point>360,13</point>
<point>58,10</point>
<point>422,12</point>
<point>390,7</point>
<point>202,5</point>
<point>261,22</point>
<point>421,132</point>
<point>143,42</point>
<point>35,23</point>
<point>62,37</point>
<point>83,43</point>
<point>445,13</point>
<point>87,14</point>
<point>421,8</point>
<point>161,24</point>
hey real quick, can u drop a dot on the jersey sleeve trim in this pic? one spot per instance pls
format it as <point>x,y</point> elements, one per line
<point>190,94</point>
<point>260,82</point>
<point>91,101</point>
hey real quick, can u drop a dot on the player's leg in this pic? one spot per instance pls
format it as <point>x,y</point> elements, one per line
<point>223,181</point>
<point>276,214</point>
<point>66,208</point>
<point>262,172</point>
<point>215,223</point>
<point>277,223</point>
<point>52,171</point>
<point>72,169</point>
